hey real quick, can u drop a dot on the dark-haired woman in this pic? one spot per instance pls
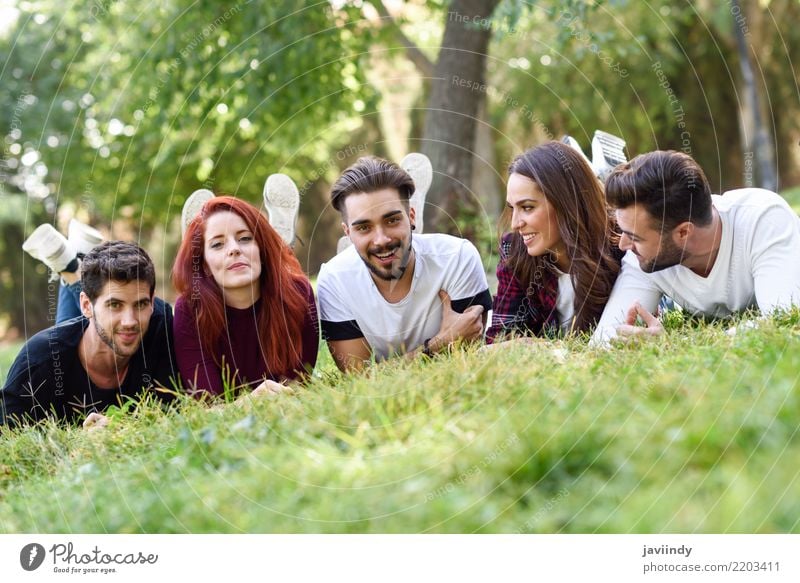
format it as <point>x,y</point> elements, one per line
<point>246,314</point>
<point>559,262</point>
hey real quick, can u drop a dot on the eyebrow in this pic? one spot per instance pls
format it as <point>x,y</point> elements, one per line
<point>630,234</point>
<point>523,201</point>
<point>225,233</point>
<point>385,216</point>
<point>121,301</point>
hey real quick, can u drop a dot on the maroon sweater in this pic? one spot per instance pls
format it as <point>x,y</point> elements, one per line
<point>238,348</point>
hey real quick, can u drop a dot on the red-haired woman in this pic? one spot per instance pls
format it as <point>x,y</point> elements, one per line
<point>246,312</point>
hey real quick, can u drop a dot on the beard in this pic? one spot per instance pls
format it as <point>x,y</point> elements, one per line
<point>393,272</point>
<point>669,255</point>
<point>108,340</point>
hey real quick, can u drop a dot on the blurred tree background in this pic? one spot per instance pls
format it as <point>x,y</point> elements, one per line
<point>115,111</point>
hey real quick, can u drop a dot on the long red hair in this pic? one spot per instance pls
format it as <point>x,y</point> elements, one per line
<point>283,302</point>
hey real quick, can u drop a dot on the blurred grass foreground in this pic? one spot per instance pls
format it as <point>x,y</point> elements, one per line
<point>696,433</point>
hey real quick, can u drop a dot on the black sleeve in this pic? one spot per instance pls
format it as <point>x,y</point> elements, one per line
<point>160,350</point>
<point>482,299</point>
<point>348,330</point>
<point>28,392</point>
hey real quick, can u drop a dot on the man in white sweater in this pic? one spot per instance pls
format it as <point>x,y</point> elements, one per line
<point>713,255</point>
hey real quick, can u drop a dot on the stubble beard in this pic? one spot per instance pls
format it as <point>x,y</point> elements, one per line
<point>394,273</point>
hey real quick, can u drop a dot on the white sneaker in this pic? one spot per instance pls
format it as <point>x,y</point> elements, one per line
<point>83,237</point>
<point>193,206</point>
<point>608,152</point>
<point>50,247</point>
<point>282,201</point>
<point>421,171</point>
<point>573,143</point>
<point>342,244</point>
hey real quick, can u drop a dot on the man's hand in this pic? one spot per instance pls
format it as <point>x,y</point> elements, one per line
<point>652,326</point>
<point>455,326</point>
<point>95,421</point>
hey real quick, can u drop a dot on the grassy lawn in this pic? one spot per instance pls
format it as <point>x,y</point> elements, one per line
<point>695,433</point>
<point>8,353</point>
<point>792,196</point>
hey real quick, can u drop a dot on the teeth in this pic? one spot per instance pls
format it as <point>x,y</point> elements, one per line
<point>528,237</point>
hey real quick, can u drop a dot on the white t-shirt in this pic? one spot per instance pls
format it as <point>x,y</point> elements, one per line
<point>352,307</point>
<point>565,302</point>
<point>758,265</point>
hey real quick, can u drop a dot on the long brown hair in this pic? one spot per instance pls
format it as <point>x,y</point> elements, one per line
<point>283,303</point>
<point>584,224</point>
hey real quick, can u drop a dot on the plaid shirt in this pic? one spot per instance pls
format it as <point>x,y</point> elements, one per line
<point>517,309</point>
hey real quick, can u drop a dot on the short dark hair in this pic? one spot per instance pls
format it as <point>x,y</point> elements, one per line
<point>670,185</point>
<point>115,261</point>
<point>370,174</point>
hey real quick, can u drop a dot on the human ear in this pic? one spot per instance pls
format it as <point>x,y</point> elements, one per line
<point>86,305</point>
<point>682,232</point>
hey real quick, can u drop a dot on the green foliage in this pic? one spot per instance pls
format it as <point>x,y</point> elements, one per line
<point>660,74</point>
<point>143,104</point>
<point>792,196</point>
<point>695,432</point>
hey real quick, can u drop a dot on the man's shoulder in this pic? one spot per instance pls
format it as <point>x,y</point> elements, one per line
<point>343,266</point>
<point>56,339</point>
<point>160,327</point>
<point>749,200</point>
<point>442,245</point>
<point>748,210</point>
<point>449,255</point>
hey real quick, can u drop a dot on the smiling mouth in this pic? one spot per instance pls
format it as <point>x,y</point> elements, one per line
<point>528,237</point>
<point>385,258</point>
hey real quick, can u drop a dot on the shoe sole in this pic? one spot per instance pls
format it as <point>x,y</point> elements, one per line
<point>282,201</point>
<point>83,237</point>
<point>420,169</point>
<point>193,206</point>
<point>342,244</point>
<point>608,152</point>
<point>58,251</point>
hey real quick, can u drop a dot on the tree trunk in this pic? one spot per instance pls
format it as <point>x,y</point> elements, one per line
<point>757,145</point>
<point>457,91</point>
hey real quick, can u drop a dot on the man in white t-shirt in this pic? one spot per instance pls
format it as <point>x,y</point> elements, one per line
<point>391,293</point>
<point>713,255</point>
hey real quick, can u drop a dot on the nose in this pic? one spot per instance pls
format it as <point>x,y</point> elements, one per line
<point>516,222</point>
<point>381,238</point>
<point>233,247</point>
<point>625,242</point>
<point>129,317</point>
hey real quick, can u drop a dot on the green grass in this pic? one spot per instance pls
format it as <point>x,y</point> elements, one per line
<point>792,196</point>
<point>697,432</point>
<point>8,353</point>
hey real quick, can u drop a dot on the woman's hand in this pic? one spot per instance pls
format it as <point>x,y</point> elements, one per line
<point>270,389</point>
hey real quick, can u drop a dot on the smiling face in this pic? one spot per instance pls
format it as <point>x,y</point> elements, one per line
<point>379,225</point>
<point>534,218</point>
<point>120,315</point>
<point>654,250</point>
<point>231,254</point>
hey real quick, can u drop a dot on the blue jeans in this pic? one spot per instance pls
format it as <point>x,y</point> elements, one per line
<point>69,305</point>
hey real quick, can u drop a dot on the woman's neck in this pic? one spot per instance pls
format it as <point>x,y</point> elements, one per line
<point>242,298</point>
